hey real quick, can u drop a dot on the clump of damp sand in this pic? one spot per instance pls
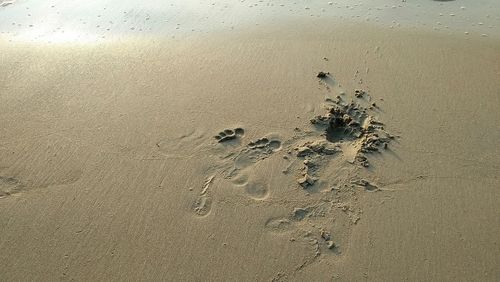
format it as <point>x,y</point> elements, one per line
<point>348,128</point>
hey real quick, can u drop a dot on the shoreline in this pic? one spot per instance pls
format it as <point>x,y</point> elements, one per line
<point>90,22</point>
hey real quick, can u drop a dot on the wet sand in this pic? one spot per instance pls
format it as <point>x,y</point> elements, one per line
<point>115,162</point>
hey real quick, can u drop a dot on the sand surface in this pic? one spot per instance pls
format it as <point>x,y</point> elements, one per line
<point>113,167</point>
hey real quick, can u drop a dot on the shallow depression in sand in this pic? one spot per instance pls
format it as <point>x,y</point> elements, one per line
<point>257,190</point>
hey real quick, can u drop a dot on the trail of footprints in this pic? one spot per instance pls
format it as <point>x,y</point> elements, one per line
<point>237,168</point>
<point>346,133</point>
<point>347,128</point>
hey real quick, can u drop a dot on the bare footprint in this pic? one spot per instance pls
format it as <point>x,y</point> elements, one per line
<point>254,152</point>
<point>257,190</point>
<point>240,179</point>
<point>279,225</point>
<point>203,204</point>
<point>9,186</point>
<point>265,144</point>
<point>229,134</point>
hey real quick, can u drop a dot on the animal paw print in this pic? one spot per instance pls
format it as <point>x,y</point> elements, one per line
<point>229,134</point>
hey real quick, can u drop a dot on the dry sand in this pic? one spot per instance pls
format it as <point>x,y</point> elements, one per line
<point>113,167</point>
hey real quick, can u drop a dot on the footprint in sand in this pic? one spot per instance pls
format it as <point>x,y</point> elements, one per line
<point>203,204</point>
<point>240,170</point>
<point>238,165</point>
<point>240,179</point>
<point>229,134</point>
<point>279,225</point>
<point>269,146</point>
<point>9,186</point>
<point>257,190</point>
<point>308,224</point>
<point>288,223</point>
<point>255,151</point>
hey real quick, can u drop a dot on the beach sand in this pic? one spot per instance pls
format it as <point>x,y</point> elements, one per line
<point>224,157</point>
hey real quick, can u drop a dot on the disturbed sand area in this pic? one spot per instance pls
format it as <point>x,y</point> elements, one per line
<point>109,169</point>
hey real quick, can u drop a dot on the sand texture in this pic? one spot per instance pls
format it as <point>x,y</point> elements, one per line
<point>300,151</point>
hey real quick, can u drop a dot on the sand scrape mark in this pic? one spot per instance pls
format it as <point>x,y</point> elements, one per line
<point>203,204</point>
<point>6,3</point>
<point>369,186</point>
